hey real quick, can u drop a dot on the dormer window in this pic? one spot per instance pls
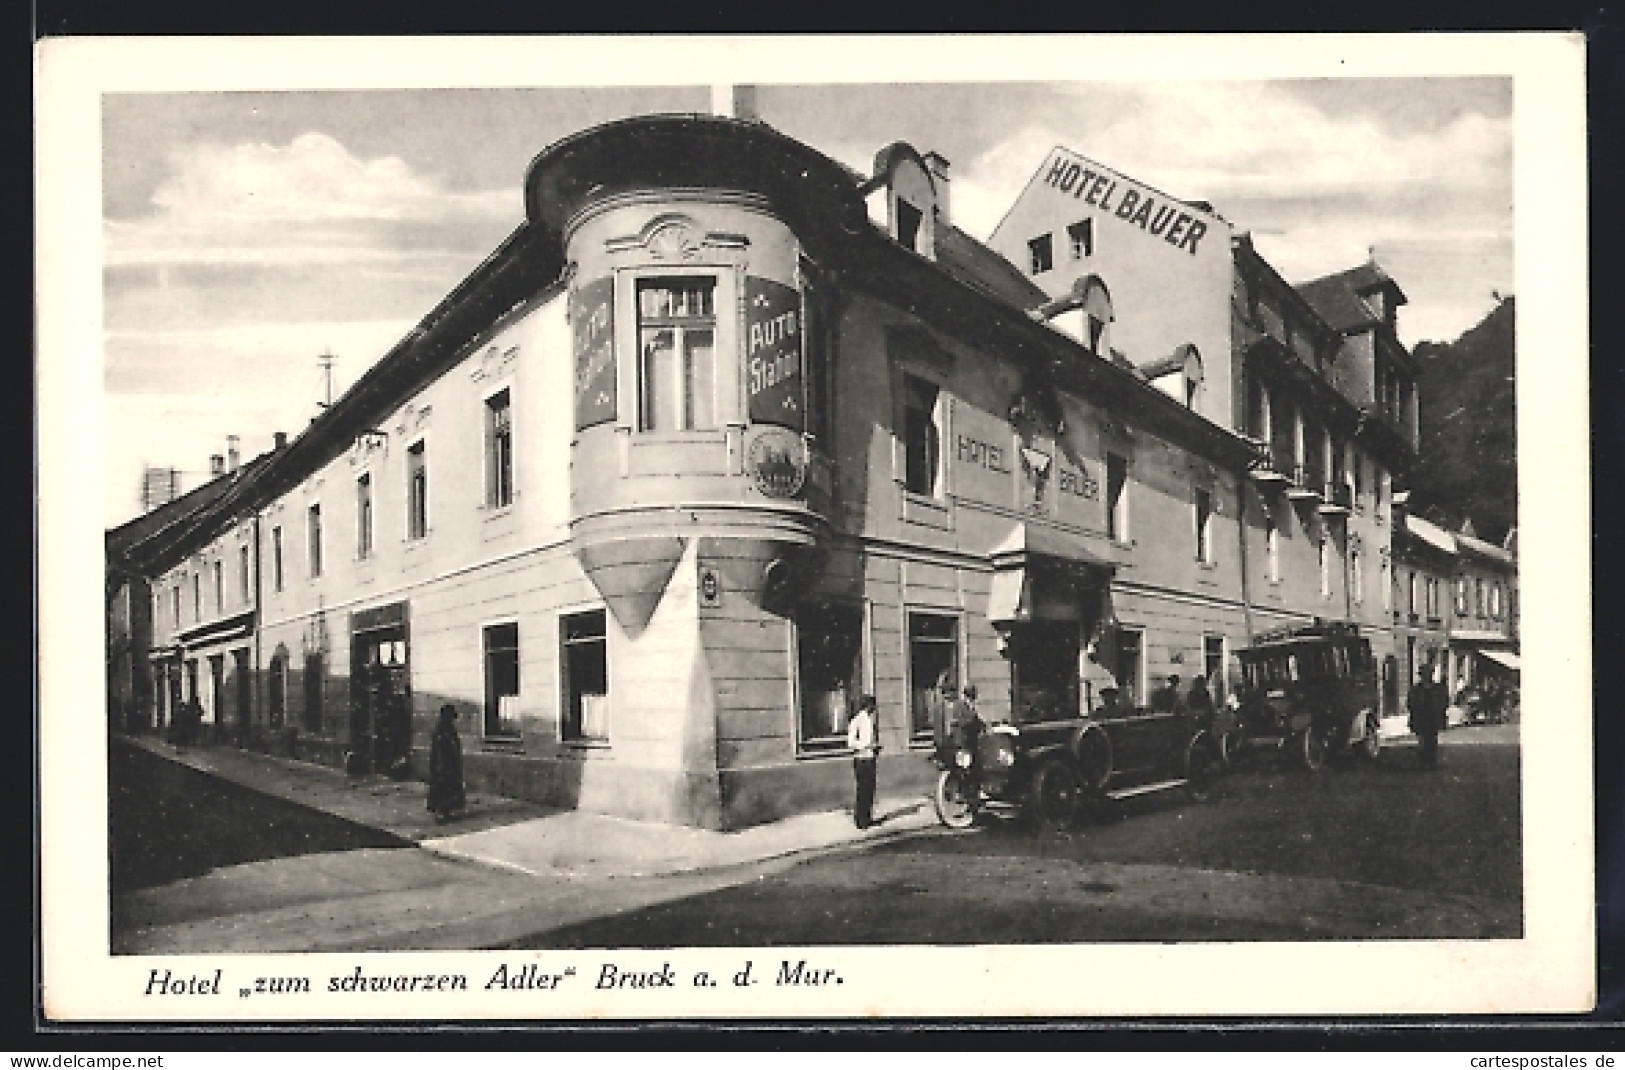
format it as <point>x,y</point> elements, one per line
<point>1040,254</point>
<point>908,225</point>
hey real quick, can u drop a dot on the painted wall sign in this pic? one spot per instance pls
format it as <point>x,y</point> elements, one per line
<point>773,364</point>
<point>777,462</point>
<point>1125,201</point>
<point>982,458</point>
<point>592,327</point>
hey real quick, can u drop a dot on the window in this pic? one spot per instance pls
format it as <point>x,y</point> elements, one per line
<point>276,557</point>
<point>197,596</point>
<point>1129,669</point>
<point>313,531</point>
<point>1040,254</point>
<point>1478,597</point>
<point>922,437</point>
<point>933,662</point>
<point>1357,575</point>
<point>363,516</point>
<point>219,570</point>
<point>498,450</point>
<point>1433,598</point>
<point>584,665</point>
<point>175,603</point>
<point>1117,497</point>
<point>500,643</point>
<point>908,224</point>
<point>417,490</point>
<point>1387,581</point>
<point>1081,237</point>
<point>829,644</point>
<point>677,354</point>
<point>245,572</point>
<point>1358,470</point>
<point>1495,601</point>
<point>1272,548</point>
<point>313,692</point>
<point>1325,568</point>
<point>1204,526</point>
<point>1411,601</point>
<point>1213,665</point>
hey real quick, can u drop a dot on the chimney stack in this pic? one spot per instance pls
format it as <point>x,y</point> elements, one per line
<point>734,102</point>
<point>217,465</point>
<point>279,439</point>
<point>938,166</point>
<point>233,456</point>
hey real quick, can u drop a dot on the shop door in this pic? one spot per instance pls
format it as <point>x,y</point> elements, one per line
<point>380,687</point>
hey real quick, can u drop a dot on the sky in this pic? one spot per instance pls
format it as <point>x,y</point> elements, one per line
<point>247,233</point>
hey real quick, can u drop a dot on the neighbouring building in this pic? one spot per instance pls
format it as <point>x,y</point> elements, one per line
<point>726,434</point>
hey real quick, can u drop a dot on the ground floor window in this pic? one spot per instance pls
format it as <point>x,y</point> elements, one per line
<point>313,692</point>
<point>1130,667</point>
<point>584,661</point>
<point>500,643</point>
<point>933,664</point>
<point>829,648</point>
<point>1213,665</point>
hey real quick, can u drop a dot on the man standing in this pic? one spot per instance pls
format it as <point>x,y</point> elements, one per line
<point>860,736</point>
<point>1427,702</point>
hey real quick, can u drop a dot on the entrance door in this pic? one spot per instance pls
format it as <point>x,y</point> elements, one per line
<point>380,686</point>
<point>245,695</point>
<point>215,714</point>
<point>1044,670</point>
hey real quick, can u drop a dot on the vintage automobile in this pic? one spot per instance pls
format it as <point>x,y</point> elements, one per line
<point>1047,769</point>
<point>1307,690</point>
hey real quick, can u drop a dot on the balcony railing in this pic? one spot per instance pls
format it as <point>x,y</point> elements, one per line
<point>1263,469</point>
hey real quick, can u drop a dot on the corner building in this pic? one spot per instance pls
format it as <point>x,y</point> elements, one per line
<point>724,435</point>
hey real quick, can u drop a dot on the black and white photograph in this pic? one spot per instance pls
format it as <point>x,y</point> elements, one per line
<point>629,528</point>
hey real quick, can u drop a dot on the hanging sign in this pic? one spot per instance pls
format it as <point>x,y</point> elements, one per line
<point>592,327</point>
<point>773,353</point>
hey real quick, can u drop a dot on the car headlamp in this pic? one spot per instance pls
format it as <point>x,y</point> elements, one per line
<point>963,759</point>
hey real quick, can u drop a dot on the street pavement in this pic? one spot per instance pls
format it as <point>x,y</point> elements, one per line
<point>327,862</point>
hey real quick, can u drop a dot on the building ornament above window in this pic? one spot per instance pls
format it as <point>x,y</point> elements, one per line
<point>413,417</point>
<point>494,363</point>
<point>367,444</point>
<point>675,238</point>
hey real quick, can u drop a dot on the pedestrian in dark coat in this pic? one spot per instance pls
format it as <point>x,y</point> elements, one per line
<point>446,766</point>
<point>862,738</point>
<point>1427,702</point>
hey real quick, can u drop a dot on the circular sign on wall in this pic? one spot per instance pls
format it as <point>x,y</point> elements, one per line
<point>777,462</point>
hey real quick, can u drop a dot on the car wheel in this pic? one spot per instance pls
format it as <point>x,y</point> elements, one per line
<point>1201,769</point>
<point>1371,745</point>
<point>955,807</point>
<point>1094,760</point>
<point>1054,795</point>
<point>1311,746</point>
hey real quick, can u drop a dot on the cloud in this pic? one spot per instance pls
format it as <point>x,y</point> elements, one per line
<point>308,201</point>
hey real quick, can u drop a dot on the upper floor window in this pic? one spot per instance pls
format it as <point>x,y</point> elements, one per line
<point>1415,589</point>
<point>219,585</point>
<point>276,557</point>
<point>245,572</point>
<point>1461,597</point>
<point>1325,568</point>
<point>1478,598</point>
<point>499,450</point>
<point>313,535</point>
<point>1272,548</point>
<point>417,490</point>
<point>1204,526</point>
<point>1117,497</point>
<point>363,516</point>
<point>1040,254</point>
<point>1081,237</point>
<point>922,436</point>
<point>677,329</point>
<point>1357,575</point>
<point>175,604</point>
<point>1495,601</point>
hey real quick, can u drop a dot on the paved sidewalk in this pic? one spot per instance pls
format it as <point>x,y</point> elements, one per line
<point>533,839</point>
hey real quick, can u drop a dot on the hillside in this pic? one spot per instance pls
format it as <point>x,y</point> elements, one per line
<point>1469,449</point>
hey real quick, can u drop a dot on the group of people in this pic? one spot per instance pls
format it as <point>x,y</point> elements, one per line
<point>956,719</point>
<point>186,724</point>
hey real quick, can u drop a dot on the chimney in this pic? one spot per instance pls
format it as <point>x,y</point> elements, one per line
<point>279,439</point>
<point>217,465</point>
<point>938,166</point>
<point>734,102</point>
<point>233,456</point>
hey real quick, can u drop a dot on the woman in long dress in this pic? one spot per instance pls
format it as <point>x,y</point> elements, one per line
<point>446,766</point>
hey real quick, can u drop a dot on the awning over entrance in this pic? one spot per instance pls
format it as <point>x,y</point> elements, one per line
<point>1041,572</point>
<point>1504,658</point>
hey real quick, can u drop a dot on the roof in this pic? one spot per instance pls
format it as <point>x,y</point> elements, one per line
<point>1479,548</point>
<point>1337,298</point>
<point>1430,533</point>
<point>979,267</point>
